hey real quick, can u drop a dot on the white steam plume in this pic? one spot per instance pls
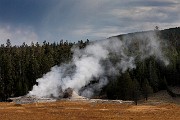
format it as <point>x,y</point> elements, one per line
<point>98,60</point>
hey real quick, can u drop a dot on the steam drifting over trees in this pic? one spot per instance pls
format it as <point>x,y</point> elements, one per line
<point>126,68</point>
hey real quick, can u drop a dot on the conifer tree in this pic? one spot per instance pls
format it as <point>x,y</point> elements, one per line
<point>146,89</point>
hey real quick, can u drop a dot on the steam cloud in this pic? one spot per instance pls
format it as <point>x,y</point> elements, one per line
<point>98,60</point>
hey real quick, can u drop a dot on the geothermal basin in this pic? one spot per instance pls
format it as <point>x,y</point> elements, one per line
<point>68,94</point>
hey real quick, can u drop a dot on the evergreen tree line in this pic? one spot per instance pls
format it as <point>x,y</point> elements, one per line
<point>20,66</point>
<point>150,75</point>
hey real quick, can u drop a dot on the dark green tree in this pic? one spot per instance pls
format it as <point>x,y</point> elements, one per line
<point>146,89</point>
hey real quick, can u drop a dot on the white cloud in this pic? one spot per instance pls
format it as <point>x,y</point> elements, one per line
<point>96,19</point>
<point>94,32</point>
<point>83,30</point>
<point>17,35</point>
<point>139,13</point>
<point>106,32</point>
<point>140,16</point>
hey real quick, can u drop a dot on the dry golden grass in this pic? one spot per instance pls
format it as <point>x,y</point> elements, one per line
<point>80,110</point>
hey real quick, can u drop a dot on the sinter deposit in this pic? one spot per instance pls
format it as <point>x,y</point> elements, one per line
<point>68,94</point>
<point>31,99</point>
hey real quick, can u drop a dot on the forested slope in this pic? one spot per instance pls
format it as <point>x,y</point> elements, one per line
<point>20,66</point>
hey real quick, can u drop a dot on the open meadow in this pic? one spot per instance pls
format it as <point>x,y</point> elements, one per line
<point>84,110</point>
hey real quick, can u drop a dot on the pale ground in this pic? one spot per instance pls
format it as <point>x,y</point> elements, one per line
<point>160,106</point>
<point>79,110</point>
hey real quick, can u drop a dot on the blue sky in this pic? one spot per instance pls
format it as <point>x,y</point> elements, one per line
<point>73,20</point>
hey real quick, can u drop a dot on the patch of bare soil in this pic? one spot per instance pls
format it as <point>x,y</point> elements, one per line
<point>83,110</point>
<point>163,97</point>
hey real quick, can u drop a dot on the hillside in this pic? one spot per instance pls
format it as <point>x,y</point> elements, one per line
<point>22,65</point>
<point>162,97</point>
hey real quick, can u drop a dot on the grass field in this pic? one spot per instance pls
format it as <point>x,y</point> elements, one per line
<point>83,110</point>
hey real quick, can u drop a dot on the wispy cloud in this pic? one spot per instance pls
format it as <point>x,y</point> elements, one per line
<point>93,19</point>
<point>17,35</point>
